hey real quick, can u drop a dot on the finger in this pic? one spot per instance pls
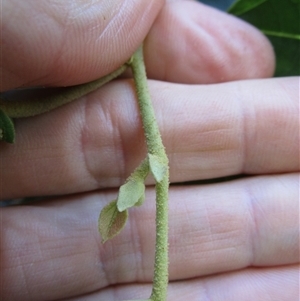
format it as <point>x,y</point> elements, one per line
<point>64,59</point>
<point>247,284</point>
<point>69,42</point>
<point>194,43</point>
<point>210,131</point>
<point>213,229</point>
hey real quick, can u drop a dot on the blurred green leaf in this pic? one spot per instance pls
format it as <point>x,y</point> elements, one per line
<point>7,129</point>
<point>279,21</point>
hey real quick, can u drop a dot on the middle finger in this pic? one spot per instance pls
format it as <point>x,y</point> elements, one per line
<point>209,131</point>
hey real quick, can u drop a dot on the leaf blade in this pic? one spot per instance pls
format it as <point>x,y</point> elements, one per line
<point>130,194</point>
<point>7,129</point>
<point>111,221</point>
<point>241,6</point>
<point>157,167</point>
<point>279,21</point>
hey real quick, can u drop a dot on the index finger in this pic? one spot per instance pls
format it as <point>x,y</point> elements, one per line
<point>69,42</point>
<point>209,131</point>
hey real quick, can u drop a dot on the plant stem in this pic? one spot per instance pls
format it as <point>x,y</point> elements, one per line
<point>56,97</point>
<point>141,172</point>
<point>155,147</point>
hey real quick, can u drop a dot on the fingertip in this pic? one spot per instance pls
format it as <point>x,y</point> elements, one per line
<point>72,42</point>
<point>194,43</point>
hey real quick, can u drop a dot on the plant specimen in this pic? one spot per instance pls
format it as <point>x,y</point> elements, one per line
<point>285,38</point>
<point>114,215</point>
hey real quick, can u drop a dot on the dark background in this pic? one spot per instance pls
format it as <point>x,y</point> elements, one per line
<point>221,4</point>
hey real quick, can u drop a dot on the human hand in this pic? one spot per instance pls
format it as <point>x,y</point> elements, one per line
<point>235,240</point>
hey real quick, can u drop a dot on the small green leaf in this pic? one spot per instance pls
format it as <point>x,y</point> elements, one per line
<point>111,221</point>
<point>157,167</point>
<point>7,129</point>
<point>132,193</point>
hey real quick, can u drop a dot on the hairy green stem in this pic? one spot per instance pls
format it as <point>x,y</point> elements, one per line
<point>56,98</point>
<point>155,147</point>
<point>141,172</point>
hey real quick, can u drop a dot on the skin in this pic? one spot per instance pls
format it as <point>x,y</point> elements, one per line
<point>235,240</point>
